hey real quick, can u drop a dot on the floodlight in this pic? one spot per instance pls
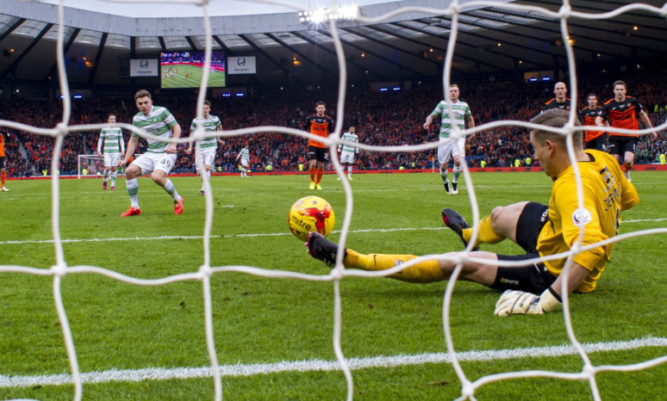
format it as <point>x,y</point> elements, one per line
<point>321,15</point>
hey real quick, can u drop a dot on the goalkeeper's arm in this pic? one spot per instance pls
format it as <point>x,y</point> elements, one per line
<point>520,302</point>
<point>575,277</point>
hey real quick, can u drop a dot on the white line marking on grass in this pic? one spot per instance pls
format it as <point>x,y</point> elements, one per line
<point>643,220</point>
<point>320,365</point>
<point>249,235</point>
<point>200,237</point>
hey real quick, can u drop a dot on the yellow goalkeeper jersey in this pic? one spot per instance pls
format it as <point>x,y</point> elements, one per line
<point>606,193</point>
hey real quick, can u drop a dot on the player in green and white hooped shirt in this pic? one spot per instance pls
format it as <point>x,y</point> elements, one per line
<point>347,152</point>
<point>112,145</point>
<point>160,157</point>
<point>456,148</point>
<point>207,146</point>
<point>244,156</point>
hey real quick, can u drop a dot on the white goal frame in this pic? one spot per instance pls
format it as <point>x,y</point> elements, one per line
<point>99,162</point>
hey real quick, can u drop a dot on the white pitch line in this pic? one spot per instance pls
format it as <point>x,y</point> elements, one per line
<point>200,237</point>
<point>320,365</point>
<point>251,235</point>
<point>643,220</point>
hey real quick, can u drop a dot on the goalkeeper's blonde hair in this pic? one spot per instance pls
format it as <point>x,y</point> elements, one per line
<point>556,118</point>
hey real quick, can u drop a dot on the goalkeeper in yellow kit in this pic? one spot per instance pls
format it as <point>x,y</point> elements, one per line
<point>530,288</point>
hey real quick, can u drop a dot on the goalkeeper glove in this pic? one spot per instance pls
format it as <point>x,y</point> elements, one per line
<point>524,303</point>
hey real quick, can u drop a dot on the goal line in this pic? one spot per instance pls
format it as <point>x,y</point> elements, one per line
<point>137,375</point>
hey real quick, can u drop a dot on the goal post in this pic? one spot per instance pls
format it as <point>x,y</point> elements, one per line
<point>89,165</point>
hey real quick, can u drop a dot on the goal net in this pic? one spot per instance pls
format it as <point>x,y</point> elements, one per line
<point>202,274</point>
<point>89,165</point>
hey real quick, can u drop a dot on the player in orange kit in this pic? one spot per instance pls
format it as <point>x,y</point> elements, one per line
<point>321,125</point>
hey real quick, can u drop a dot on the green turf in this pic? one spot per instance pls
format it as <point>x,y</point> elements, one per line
<point>259,320</point>
<point>193,80</point>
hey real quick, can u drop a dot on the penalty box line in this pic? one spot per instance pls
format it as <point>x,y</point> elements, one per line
<point>250,235</point>
<point>321,365</point>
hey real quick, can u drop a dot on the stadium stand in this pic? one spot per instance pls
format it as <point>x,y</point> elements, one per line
<point>378,121</point>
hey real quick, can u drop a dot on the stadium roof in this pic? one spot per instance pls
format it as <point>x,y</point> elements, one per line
<point>410,45</point>
<point>215,8</point>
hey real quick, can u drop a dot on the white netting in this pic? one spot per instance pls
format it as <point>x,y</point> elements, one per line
<point>60,269</point>
<point>89,165</point>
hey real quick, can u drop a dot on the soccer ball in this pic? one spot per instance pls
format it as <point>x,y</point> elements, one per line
<point>311,213</point>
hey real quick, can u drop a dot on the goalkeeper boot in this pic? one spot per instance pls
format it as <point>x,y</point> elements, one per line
<point>456,223</point>
<point>178,206</point>
<point>322,249</point>
<point>132,211</point>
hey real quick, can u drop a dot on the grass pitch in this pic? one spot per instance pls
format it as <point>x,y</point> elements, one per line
<point>119,326</point>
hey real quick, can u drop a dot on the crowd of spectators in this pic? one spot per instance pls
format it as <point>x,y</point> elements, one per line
<point>392,118</point>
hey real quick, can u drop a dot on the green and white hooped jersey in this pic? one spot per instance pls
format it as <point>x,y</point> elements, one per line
<point>209,124</point>
<point>158,122</point>
<point>244,155</point>
<point>112,140</point>
<point>349,137</point>
<point>352,138</point>
<point>461,112</point>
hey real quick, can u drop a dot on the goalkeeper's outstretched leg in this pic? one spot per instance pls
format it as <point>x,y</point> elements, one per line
<point>521,222</point>
<point>528,289</point>
<point>427,271</point>
<point>500,224</point>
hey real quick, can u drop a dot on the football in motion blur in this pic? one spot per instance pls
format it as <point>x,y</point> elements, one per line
<point>311,213</point>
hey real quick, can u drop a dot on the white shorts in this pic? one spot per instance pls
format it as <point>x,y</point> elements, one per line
<point>347,157</point>
<point>111,159</point>
<point>206,156</point>
<point>244,163</point>
<point>447,150</point>
<point>148,162</point>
